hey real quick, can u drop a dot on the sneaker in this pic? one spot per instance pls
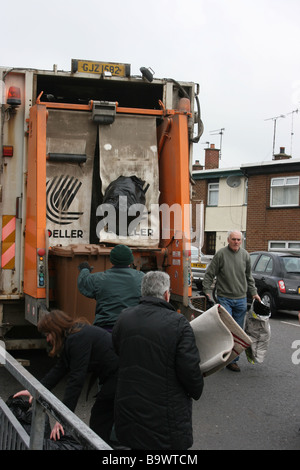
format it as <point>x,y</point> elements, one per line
<point>234,367</point>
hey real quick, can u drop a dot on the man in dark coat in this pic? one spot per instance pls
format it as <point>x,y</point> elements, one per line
<point>159,371</point>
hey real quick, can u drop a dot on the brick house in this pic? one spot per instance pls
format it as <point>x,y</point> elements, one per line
<point>261,200</point>
<point>273,210</point>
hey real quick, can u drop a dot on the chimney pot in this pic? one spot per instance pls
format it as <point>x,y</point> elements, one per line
<point>197,166</point>
<point>212,157</point>
<point>281,155</point>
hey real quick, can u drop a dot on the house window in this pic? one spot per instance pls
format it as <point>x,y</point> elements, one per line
<point>284,246</point>
<point>210,243</point>
<point>244,240</point>
<point>213,194</point>
<point>285,191</point>
<point>246,192</point>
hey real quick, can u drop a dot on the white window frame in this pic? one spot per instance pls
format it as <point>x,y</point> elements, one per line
<point>285,183</point>
<point>212,188</point>
<point>284,245</point>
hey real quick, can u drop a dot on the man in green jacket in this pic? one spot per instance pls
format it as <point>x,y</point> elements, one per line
<point>114,289</point>
<point>232,267</point>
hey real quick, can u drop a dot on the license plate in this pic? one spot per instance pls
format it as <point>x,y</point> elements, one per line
<point>198,265</point>
<point>90,66</point>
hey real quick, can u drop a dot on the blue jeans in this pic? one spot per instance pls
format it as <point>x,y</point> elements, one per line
<point>237,308</point>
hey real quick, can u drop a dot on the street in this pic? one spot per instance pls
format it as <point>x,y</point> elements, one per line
<point>258,408</point>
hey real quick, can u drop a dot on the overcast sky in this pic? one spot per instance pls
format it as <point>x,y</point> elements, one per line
<point>244,55</point>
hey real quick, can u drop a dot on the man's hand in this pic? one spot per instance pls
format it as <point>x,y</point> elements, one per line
<point>57,431</point>
<point>256,297</point>
<point>24,393</point>
<point>85,265</point>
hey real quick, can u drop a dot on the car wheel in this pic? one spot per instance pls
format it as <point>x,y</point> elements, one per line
<point>268,300</point>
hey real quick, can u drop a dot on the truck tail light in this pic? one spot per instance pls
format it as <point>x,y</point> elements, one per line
<point>281,286</point>
<point>7,150</point>
<point>14,96</point>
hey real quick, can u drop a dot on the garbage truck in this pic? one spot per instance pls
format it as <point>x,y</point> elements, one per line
<point>91,158</point>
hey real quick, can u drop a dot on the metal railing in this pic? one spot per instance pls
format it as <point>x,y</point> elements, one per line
<point>14,436</point>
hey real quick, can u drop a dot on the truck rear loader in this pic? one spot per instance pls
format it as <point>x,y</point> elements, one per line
<point>90,158</point>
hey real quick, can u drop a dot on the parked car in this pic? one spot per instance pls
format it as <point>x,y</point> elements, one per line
<point>199,264</point>
<point>277,278</point>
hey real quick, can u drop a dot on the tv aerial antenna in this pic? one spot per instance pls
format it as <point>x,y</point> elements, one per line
<point>274,119</point>
<point>219,132</point>
<point>292,127</point>
<point>205,143</point>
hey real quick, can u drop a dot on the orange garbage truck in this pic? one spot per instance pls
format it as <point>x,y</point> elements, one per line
<point>91,158</point>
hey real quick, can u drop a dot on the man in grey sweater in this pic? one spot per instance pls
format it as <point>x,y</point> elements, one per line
<point>232,267</point>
